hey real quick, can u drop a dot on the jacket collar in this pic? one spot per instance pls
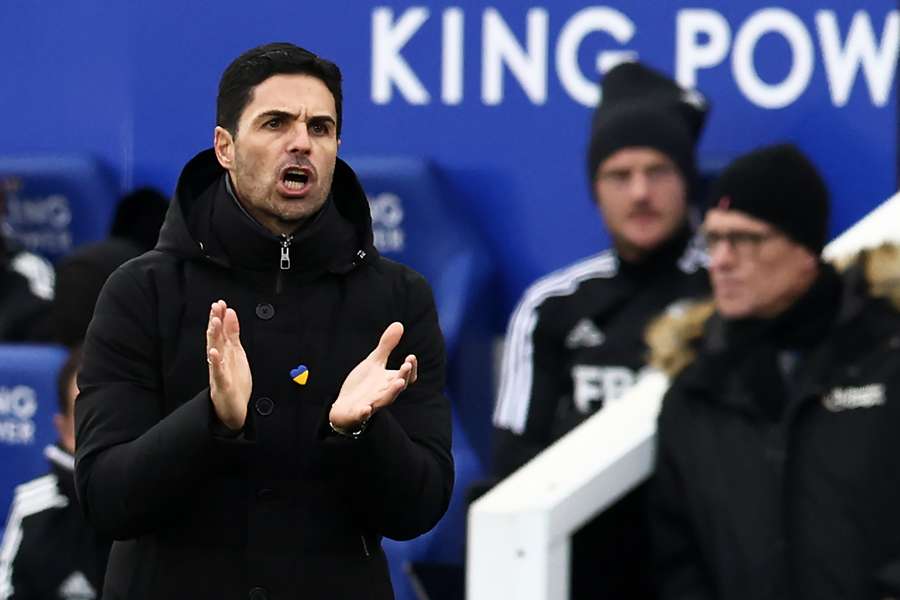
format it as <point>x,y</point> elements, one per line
<point>325,241</point>
<point>204,222</point>
<point>871,278</point>
<point>670,253</point>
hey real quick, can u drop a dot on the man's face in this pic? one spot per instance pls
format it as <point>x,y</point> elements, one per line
<point>282,158</point>
<point>756,270</point>
<point>642,196</point>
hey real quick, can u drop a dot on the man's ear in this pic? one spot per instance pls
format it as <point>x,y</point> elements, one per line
<point>223,143</point>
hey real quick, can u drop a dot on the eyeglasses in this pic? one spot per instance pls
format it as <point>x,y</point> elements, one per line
<point>739,242</point>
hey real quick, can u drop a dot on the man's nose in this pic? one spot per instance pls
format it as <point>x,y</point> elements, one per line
<point>299,141</point>
<point>721,255</point>
<point>639,186</point>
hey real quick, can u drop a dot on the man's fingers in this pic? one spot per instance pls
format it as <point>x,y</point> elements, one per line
<point>389,393</point>
<point>389,340</point>
<point>216,366</point>
<point>405,373</point>
<point>214,357</point>
<point>408,371</point>
<point>214,327</point>
<point>411,359</point>
<point>213,333</point>
<point>232,327</point>
<point>218,309</point>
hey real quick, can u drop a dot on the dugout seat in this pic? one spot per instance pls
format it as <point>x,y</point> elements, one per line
<point>57,202</point>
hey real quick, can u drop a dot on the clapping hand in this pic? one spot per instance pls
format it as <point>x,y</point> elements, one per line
<point>370,386</point>
<point>230,381</point>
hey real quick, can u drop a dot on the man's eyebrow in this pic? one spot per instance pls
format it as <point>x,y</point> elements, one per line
<point>275,113</point>
<point>284,114</point>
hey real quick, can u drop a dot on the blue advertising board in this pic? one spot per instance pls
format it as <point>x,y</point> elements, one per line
<point>496,95</point>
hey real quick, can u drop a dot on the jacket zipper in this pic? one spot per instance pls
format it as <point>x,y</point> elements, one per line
<point>365,545</point>
<point>285,262</point>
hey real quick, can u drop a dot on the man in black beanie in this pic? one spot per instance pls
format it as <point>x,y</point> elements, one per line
<point>778,450</point>
<point>575,342</point>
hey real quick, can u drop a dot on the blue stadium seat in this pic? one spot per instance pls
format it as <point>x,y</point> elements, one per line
<point>28,401</point>
<point>416,224</point>
<point>55,203</point>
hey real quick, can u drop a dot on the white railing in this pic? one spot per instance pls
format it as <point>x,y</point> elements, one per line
<point>519,532</point>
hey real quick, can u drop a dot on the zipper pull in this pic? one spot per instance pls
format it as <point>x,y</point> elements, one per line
<point>286,252</point>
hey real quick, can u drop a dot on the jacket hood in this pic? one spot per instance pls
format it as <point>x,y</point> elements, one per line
<point>186,223</point>
<point>674,337</point>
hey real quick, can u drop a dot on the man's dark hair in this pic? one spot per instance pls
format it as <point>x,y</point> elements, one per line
<point>258,64</point>
<point>69,370</point>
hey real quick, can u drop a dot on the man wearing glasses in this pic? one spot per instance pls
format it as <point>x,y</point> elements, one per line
<point>778,455</point>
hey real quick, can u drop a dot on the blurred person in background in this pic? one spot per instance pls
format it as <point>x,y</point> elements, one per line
<point>575,341</point>
<point>139,217</point>
<point>261,394</point>
<point>778,459</point>
<point>49,552</point>
<point>26,286</point>
<point>81,274</point>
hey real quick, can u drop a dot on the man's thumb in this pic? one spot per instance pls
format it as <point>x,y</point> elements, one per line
<point>389,340</point>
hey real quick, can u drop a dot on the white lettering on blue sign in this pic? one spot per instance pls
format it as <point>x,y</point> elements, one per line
<point>387,222</point>
<point>19,401</point>
<point>452,57</point>
<point>842,63</point>
<point>704,39</point>
<point>50,211</point>
<point>388,66</point>
<point>16,433</point>
<point>500,48</point>
<point>17,406</point>
<point>584,89</point>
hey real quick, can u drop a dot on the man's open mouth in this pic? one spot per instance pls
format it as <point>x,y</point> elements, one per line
<point>295,178</point>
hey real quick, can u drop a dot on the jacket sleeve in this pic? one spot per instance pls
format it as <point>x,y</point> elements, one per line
<point>135,464</point>
<point>532,379</point>
<point>680,570</point>
<point>402,466</point>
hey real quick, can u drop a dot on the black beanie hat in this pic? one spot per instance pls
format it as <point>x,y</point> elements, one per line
<point>778,185</point>
<point>642,107</point>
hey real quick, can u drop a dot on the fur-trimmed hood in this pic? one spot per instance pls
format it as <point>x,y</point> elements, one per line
<point>673,337</point>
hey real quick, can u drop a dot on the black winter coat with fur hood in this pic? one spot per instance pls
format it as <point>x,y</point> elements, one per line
<point>286,509</point>
<point>778,468</point>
